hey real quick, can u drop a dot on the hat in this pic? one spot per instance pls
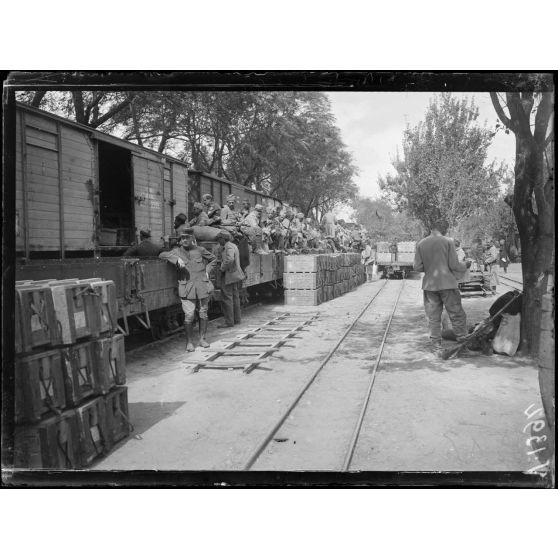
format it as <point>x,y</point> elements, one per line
<point>186,233</point>
<point>145,230</point>
<point>231,197</point>
<point>224,234</point>
<point>207,197</point>
<point>258,207</point>
<point>198,205</point>
<point>300,215</point>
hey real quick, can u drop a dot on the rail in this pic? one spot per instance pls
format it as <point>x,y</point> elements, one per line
<point>354,439</point>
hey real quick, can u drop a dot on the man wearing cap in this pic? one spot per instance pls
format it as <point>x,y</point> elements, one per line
<point>231,278</point>
<point>212,209</point>
<point>193,263</point>
<point>250,226</point>
<point>229,215</point>
<point>145,248</point>
<point>200,218</point>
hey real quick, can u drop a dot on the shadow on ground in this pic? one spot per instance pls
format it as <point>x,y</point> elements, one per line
<point>145,415</point>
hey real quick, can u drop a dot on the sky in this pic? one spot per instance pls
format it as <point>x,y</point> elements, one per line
<point>372,125</point>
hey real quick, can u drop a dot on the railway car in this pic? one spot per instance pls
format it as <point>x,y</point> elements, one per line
<point>81,195</point>
<point>395,260</point>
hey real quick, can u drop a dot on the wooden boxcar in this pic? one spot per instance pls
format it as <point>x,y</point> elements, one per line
<point>82,195</point>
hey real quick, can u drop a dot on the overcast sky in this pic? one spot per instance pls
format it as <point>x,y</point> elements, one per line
<point>372,127</point>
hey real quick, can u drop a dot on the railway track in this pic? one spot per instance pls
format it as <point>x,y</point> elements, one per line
<point>343,343</point>
<point>509,282</point>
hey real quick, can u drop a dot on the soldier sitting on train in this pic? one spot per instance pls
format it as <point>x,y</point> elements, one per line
<point>200,218</point>
<point>145,248</point>
<point>212,209</point>
<point>231,278</point>
<point>245,211</point>
<point>194,264</point>
<point>250,226</point>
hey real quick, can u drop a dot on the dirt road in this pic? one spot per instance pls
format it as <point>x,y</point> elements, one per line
<point>424,415</point>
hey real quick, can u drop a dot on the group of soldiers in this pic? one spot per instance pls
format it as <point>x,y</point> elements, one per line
<point>282,229</point>
<point>275,228</point>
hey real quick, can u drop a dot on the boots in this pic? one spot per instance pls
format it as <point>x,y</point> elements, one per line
<point>189,332</point>
<point>436,346</point>
<point>259,247</point>
<point>203,330</point>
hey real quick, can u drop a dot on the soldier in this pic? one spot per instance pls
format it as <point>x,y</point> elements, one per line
<point>212,209</point>
<point>145,248</point>
<point>229,215</point>
<point>193,263</point>
<point>231,278</point>
<point>245,211</point>
<point>250,226</point>
<point>329,222</point>
<point>200,218</point>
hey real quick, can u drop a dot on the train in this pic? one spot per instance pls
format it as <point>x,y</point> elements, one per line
<point>395,259</point>
<point>82,195</point>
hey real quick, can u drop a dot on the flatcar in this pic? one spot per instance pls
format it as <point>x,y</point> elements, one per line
<point>395,259</point>
<point>81,196</point>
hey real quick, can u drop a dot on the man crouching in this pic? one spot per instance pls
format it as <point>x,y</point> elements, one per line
<point>193,263</point>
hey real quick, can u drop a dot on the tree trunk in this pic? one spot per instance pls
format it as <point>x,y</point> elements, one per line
<point>536,233</point>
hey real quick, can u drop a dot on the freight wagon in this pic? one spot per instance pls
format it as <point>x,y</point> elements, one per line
<point>395,259</point>
<point>81,196</point>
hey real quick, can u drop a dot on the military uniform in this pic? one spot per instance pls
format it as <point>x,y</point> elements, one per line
<point>144,249</point>
<point>193,283</point>
<point>231,279</point>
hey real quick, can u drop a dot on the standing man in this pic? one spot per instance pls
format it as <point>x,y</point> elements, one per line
<point>145,248</point>
<point>193,264</point>
<point>436,256</point>
<point>503,259</point>
<point>231,278</point>
<point>329,222</point>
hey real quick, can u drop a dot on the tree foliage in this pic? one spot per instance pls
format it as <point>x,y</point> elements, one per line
<point>282,143</point>
<point>443,174</point>
<point>384,223</point>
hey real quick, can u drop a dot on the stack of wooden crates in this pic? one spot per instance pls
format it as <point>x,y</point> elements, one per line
<point>71,404</point>
<point>312,279</point>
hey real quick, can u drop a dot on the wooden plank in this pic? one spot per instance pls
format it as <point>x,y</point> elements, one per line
<point>41,135</point>
<point>60,190</point>
<point>40,143</point>
<point>39,121</point>
<point>77,165</point>
<point>25,220</point>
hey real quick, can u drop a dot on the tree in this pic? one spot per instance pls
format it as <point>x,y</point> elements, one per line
<point>383,223</point>
<point>91,108</point>
<point>529,117</point>
<point>443,174</point>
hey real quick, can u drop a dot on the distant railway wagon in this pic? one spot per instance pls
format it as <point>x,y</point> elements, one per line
<point>395,259</point>
<point>81,196</point>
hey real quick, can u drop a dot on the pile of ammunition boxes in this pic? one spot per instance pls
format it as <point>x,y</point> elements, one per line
<point>71,404</point>
<point>312,279</point>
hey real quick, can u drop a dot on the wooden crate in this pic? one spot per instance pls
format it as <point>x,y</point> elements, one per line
<point>301,263</point>
<point>406,257</point>
<point>107,314</point>
<point>51,444</point>
<point>295,281</point>
<point>310,297</point>
<point>79,372</point>
<point>383,258</point>
<point>36,318</point>
<point>117,415</point>
<point>77,310</point>
<point>93,432</point>
<point>110,363</point>
<point>39,386</point>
